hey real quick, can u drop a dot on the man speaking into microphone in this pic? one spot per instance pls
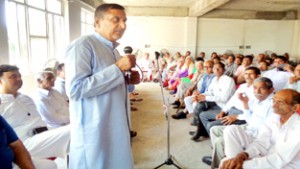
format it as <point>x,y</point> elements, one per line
<point>96,86</point>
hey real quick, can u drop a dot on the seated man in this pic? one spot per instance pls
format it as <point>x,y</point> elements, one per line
<point>234,107</point>
<point>255,116</point>
<point>13,153</point>
<point>277,144</point>
<point>51,105</point>
<point>201,87</point>
<point>219,92</point>
<point>12,149</point>
<point>20,112</point>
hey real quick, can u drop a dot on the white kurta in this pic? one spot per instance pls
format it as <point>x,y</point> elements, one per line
<point>21,113</point>
<point>53,107</point>
<point>99,106</point>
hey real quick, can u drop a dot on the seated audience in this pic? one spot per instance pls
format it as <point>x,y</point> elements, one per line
<point>187,70</point>
<point>219,92</point>
<point>51,105</point>
<point>277,144</point>
<point>21,113</point>
<point>234,107</point>
<point>255,112</point>
<point>200,87</point>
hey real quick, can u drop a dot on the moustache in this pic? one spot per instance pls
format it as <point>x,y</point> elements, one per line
<point>258,95</point>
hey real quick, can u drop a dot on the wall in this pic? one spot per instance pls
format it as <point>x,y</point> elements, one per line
<point>245,36</point>
<point>151,34</point>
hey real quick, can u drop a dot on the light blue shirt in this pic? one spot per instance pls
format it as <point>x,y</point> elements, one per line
<point>99,105</point>
<point>53,107</point>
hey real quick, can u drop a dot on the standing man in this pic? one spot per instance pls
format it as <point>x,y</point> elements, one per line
<point>96,85</point>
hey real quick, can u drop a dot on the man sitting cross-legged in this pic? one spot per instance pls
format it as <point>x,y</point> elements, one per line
<point>20,112</point>
<point>277,144</point>
<point>255,115</point>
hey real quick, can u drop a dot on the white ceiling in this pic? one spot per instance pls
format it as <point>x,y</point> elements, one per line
<point>241,9</point>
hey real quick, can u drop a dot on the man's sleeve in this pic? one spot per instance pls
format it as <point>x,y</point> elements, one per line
<point>10,133</point>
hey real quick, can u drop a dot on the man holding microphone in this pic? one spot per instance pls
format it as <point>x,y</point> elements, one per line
<point>96,86</point>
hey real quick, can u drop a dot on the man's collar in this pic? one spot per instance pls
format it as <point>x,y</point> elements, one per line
<point>112,45</point>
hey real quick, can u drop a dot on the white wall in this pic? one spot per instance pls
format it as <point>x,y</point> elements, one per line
<point>220,35</point>
<point>211,35</point>
<point>158,33</point>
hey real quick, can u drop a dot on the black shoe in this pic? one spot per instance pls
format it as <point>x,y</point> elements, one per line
<point>180,115</point>
<point>133,133</point>
<point>176,103</point>
<point>192,133</point>
<point>207,160</point>
<point>178,106</point>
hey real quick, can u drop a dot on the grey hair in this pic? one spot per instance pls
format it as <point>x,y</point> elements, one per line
<point>266,80</point>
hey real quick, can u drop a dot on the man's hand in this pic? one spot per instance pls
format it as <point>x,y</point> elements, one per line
<point>227,120</point>
<point>199,97</point>
<point>189,92</point>
<point>134,78</point>
<point>126,62</point>
<point>294,79</point>
<point>220,115</point>
<point>235,163</point>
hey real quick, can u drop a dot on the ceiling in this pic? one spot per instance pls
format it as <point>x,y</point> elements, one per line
<point>236,9</point>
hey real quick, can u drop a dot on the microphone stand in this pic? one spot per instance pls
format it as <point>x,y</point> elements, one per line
<point>169,160</point>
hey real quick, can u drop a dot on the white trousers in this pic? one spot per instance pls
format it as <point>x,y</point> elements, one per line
<point>236,140</point>
<point>40,164</point>
<point>51,143</point>
<point>217,142</point>
<point>189,104</point>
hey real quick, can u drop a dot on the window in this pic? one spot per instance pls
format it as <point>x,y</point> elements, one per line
<point>35,33</point>
<point>87,22</point>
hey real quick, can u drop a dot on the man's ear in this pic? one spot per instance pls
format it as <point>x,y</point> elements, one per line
<point>296,107</point>
<point>97,22</point>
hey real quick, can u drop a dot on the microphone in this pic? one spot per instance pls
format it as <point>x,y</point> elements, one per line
<point>128,51</point>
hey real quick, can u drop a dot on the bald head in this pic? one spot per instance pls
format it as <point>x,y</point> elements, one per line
<point>285,103</point>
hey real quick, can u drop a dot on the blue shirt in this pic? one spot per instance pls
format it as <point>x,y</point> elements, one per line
<point>7,136</point>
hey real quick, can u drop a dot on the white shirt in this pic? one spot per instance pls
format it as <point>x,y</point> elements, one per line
<point>235,101</point>
<point>52,107</point>
<point>295,86</point>
<point>276,146</point>
<point>21,114</point>
<point>220,90</point>
<point>60,87</point>
<point>257,115</point>
<point>279,78</point>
